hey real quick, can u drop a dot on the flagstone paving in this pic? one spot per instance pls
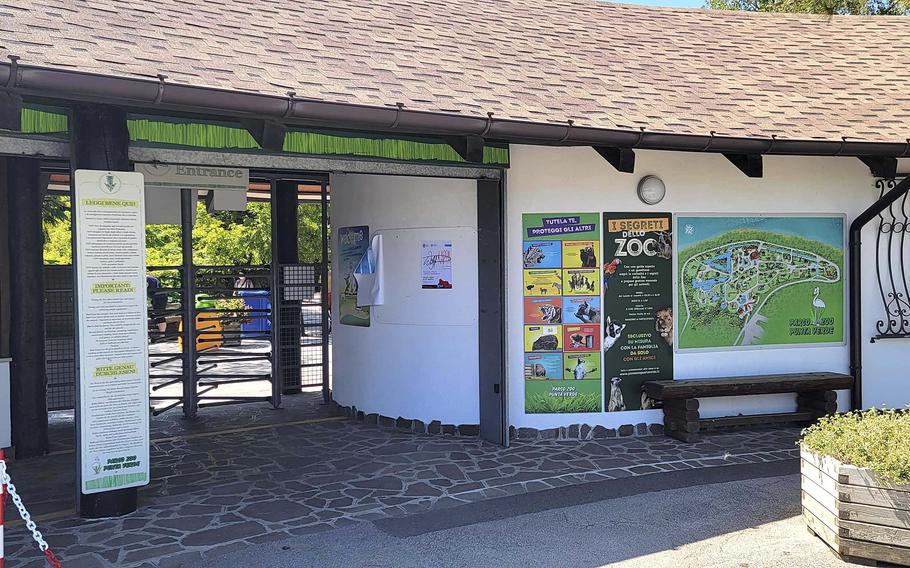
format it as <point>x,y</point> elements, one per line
<point>215,493</point>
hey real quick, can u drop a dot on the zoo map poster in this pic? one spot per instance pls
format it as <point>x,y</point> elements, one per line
<point>637,306</point>
<point>561,266</point>
<point>353,243</point>
<point>759,281</point>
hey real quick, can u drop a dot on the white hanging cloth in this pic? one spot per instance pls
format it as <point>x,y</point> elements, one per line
<point>369,275</point>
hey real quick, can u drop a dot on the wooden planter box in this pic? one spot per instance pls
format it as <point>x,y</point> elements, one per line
<point>862,518</point>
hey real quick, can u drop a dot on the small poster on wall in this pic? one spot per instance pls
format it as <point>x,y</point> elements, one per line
<point>761,280</point>
<point>561,256</point>
<point>353,243</point>
<point>436,265</point>
<point>637,306</point>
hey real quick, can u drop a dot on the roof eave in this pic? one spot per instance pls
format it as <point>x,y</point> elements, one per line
<point>159,95</point>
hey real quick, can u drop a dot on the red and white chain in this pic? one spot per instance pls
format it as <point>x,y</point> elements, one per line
<point>23,512</point>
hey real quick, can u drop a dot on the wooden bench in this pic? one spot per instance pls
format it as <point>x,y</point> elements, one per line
<point>816,397</point>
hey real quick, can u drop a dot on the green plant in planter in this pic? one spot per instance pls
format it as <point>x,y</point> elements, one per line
<point>878,440</point>
<point>230,308</point>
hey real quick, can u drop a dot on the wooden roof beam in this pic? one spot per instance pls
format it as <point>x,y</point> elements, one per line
<point>749,164</point>
<point>881,166</point>
<point>267,133</point>
<point>10,111</point>
<point>623,159</point>
<point>470,148</point>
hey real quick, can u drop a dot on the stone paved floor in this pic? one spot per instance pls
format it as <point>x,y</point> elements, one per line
<point>215,493</point>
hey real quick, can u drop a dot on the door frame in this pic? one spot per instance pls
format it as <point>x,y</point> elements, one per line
<point>491,208</point>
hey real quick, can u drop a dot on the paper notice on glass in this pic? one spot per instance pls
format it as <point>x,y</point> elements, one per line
<point>436,265</point>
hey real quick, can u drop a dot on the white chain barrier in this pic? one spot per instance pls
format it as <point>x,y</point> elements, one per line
<point>7,486</point>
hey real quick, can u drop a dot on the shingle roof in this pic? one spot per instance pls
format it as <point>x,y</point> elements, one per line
<point>600,64</point>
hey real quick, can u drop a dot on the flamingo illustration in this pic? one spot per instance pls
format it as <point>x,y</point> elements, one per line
<point>818,306</point>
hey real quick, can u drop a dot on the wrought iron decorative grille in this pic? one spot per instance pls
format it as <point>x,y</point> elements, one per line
<point>892,257</point>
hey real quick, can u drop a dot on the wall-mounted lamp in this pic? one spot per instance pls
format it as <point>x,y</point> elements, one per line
<point>651,190</point>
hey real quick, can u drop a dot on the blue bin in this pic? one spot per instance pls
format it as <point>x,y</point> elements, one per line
<point>257,300</point>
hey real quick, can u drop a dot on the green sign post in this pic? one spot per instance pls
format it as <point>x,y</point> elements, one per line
<point>637,305</point>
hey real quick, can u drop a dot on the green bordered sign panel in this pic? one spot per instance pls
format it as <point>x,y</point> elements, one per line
<point>561,279</point>
<point>113,404</point>
<point>757,281</point>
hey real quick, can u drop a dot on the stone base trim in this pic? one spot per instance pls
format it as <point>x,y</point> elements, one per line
<point>407,424</point>
<point>584,432</point>
<point>580,432</point>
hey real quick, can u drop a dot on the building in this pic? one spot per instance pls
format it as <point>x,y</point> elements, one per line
<point>462,126</point>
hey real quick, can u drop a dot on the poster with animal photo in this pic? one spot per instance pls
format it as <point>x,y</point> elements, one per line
<point>542,254</point>
<point>753,281</point>
<point>580,309</point>
<point>352,244</point>
<point>543,282</point>
<point>545,310</point>
<point>637,306</point>
<point>580,281</point>
<point>562,312</point>
<point>543,366</point>
<point>581,365</point>
<point>581,337</point>
<point>543,338</point>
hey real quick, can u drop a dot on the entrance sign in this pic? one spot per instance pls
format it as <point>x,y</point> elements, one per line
<point>760,281</point>
<point>113,409</point>
<point>637,305</point>
<point>227,189</point>
<point>352,243</point>
<point>175,176</point>
<point>560,255</point>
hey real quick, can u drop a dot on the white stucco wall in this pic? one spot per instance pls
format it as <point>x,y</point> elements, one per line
<point>561,180</point>
<point>418,359</point>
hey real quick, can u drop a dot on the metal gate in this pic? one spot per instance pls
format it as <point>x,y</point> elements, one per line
<point>228,343</point>
<point>59,337</point>
<point>238,347</point>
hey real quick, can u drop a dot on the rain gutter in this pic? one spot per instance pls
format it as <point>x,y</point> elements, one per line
<point>70,85</point>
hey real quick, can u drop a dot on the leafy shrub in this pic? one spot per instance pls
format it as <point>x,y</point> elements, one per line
<point>878,440</point>
<point>232,307</point>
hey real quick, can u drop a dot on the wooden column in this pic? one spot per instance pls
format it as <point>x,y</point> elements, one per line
<point>100,141</point>
<point>4,264</point>
<point>28,380</point>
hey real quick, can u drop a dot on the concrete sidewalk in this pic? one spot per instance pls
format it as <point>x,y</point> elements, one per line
<point>751,523</point>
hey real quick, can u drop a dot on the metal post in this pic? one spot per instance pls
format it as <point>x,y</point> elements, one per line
<point>324,294</point>
<point>285,248</point>
<point>277,374</point>
<point>856,285</point>
<point>190,401</point>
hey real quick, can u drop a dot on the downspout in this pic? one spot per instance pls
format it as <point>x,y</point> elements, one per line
<point>856,290</point>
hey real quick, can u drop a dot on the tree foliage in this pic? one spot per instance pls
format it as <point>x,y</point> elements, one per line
<point>828,7</point>
<point>220,238</point>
